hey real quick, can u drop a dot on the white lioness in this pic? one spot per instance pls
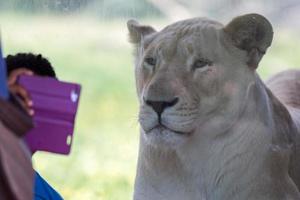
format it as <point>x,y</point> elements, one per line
<point>210,128</point>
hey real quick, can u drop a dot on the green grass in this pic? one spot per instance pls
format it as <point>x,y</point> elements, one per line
<point>283,53</point>
<point>96,54</point>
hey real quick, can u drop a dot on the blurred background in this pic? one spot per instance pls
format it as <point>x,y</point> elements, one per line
<point>86,41</point>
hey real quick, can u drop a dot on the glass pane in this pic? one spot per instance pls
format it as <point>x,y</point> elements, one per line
<point>87,42</point>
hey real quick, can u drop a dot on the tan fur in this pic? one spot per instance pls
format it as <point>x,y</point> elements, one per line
<point>227,137</point>
<point>286,87</point>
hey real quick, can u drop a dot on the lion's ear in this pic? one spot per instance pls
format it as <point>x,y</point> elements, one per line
<point>252,33</point>
<point>137,31</point>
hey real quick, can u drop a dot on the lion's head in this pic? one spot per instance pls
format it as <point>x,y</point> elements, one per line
<point>194,74</point>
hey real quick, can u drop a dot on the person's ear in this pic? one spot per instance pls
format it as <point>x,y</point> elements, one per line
<point>137,32</point>
<point>252,33</point>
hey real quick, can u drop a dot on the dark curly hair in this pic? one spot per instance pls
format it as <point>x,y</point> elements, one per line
<point>36,63</point>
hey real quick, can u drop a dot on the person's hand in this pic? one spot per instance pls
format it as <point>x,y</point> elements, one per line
<point>18,90</point>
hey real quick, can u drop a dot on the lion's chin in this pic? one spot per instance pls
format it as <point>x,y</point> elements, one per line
<point>162,137</point>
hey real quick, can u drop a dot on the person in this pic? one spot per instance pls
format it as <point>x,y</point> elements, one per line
<point>16,172</point>
<point>30,64</point>
<point>26,64</point>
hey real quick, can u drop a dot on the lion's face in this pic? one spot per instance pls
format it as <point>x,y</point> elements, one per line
<point>187,75</point>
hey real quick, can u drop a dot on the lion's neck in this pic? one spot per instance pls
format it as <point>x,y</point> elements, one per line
<point>214,162</point>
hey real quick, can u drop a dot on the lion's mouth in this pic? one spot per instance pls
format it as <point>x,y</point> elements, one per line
<point>161,128</point>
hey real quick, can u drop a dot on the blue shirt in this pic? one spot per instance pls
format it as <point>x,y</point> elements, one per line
<point>43,191</point>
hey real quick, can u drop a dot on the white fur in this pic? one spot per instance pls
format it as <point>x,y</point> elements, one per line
<point>233,148</point>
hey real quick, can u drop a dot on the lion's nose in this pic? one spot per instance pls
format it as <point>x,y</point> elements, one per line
<point>160,106</point>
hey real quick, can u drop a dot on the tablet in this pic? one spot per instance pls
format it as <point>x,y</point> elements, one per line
<point>55,105</point>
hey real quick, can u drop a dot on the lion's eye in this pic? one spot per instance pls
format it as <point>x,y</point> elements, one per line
<point>201,63</point>
<point>150,61</point>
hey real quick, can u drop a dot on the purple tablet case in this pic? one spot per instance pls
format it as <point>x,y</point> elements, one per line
<point>55,105</point>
